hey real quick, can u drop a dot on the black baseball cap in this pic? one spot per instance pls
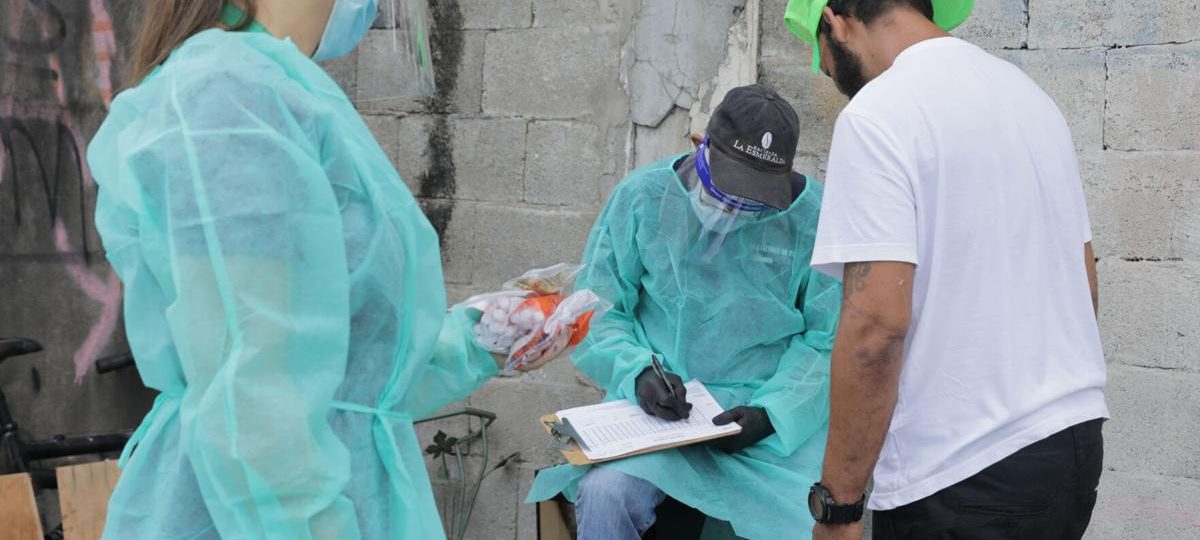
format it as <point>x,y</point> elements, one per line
<point>753,136</point>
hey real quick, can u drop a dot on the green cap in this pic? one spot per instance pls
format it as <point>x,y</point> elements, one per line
<point>803,16</point>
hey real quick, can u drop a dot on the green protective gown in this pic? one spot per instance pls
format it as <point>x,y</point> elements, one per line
<point>284,293</point>
<point>753,322</point>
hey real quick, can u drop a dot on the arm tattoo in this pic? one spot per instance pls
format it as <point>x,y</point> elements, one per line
<point>854,281</point>
<point>855,275</point>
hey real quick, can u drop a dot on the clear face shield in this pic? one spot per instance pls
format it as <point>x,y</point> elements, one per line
<point>398,53</point>
<point>719,213</point>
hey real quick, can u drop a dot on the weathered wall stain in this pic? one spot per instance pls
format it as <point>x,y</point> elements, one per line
<point>436,186</point>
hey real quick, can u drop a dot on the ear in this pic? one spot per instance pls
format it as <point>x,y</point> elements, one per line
<point>839,26</point>
<point>696,139</point>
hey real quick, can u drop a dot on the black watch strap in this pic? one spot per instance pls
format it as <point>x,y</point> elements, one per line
<point>845,513</point>
<point>830,511</point>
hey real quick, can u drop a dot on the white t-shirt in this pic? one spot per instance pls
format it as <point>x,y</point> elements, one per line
<point>955,161</point>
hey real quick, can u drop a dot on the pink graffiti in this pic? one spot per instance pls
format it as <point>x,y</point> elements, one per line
<point>105,288</point>
<point>105,44</point>
<point>107,292</point>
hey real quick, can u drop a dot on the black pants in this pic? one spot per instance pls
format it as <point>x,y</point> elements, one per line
<point>1044,491</point>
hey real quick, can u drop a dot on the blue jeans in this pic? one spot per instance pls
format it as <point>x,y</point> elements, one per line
<point>615,506</point>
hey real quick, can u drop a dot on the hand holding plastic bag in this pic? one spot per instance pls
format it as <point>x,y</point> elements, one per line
<point>535,318</point>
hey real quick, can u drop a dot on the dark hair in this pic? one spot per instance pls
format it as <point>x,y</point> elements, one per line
<point>168,23</point>
<point>868,11</point>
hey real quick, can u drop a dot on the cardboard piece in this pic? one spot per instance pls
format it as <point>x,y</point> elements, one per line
<point>18,509</point>
<point>83,493</point>
<point>551,525</point>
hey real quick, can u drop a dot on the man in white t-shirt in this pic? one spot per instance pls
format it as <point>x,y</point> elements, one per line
<point>967,371</point>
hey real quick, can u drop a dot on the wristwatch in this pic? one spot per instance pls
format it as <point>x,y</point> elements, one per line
<point>826,510</point>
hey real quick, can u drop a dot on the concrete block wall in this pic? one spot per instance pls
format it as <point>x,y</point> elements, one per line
<point>544,105</point>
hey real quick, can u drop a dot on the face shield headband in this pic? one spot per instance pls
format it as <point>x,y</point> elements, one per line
<point>733,202</point>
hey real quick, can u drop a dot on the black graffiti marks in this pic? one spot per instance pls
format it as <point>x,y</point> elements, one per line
<point>41,158</point>
<point>40,45</point>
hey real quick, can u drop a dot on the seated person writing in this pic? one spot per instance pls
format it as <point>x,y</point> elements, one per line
<point>705,257</point>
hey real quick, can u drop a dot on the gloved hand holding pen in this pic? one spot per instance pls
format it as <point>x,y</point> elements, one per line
<point>662,394</point>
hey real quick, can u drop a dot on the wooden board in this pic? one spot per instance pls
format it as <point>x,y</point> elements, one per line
<point>18,510</point>
<point>575,455</point>
<point>83,493</point>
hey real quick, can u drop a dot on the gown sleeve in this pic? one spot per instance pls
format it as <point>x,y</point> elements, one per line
<point>796,397</point>
<point>615,350</point>
<point>458,368</point>
<point>242,222</point>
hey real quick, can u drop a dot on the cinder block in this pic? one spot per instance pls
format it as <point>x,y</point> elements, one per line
<point>814,96</point>
<point>581,13</point>
<point>1142,203</point>
<point>551,73</point>
<point>344,71</point>
<point>405,140</point>
<point>519,403</point>
<point>384,88</point>
<point>564,165</point>
<point>495,14</point>
<point>459,89</point>
<point>1148,314</point>
<point>414,154</point>
<point>467,94</point>
<point>996,25</point>
<point>489,159</point>
<point>1155,421</point>
<point>1091,23</point>
<point>1146,507</point>
<point>458,243</point>
<point>495,515</point>
<point>511,240</point>
<point>386,129</point>
<point>775,40</point>
<point>1074,79</point>
<point>1149,89</point>
<point>382,81</point>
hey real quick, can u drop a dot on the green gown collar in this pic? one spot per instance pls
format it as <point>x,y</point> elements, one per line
<point>232,16</point>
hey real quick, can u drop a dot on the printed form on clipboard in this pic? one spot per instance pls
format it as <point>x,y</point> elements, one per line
<point>619,429</point>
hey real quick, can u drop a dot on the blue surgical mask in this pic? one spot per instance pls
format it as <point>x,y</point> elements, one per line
<point>347,27</point>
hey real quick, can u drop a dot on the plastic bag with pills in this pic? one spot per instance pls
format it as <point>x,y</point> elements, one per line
<point>535,316</point>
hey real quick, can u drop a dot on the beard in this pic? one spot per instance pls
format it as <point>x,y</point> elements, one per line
<point>848,73</point>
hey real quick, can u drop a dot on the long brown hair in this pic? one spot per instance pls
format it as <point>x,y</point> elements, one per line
<point>168,23</point>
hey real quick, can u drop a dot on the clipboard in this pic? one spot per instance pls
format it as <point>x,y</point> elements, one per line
<point>569,445</point>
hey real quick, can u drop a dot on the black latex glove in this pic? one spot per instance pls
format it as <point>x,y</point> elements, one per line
<point>756,426</point>
<point>656,400</point>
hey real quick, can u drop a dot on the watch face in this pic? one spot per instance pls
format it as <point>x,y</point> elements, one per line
<point>815,507</point>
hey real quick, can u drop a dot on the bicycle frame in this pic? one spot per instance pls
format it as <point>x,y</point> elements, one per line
<point>20,453</point>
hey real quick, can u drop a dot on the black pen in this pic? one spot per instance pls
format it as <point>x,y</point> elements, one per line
<point>662,376</point>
